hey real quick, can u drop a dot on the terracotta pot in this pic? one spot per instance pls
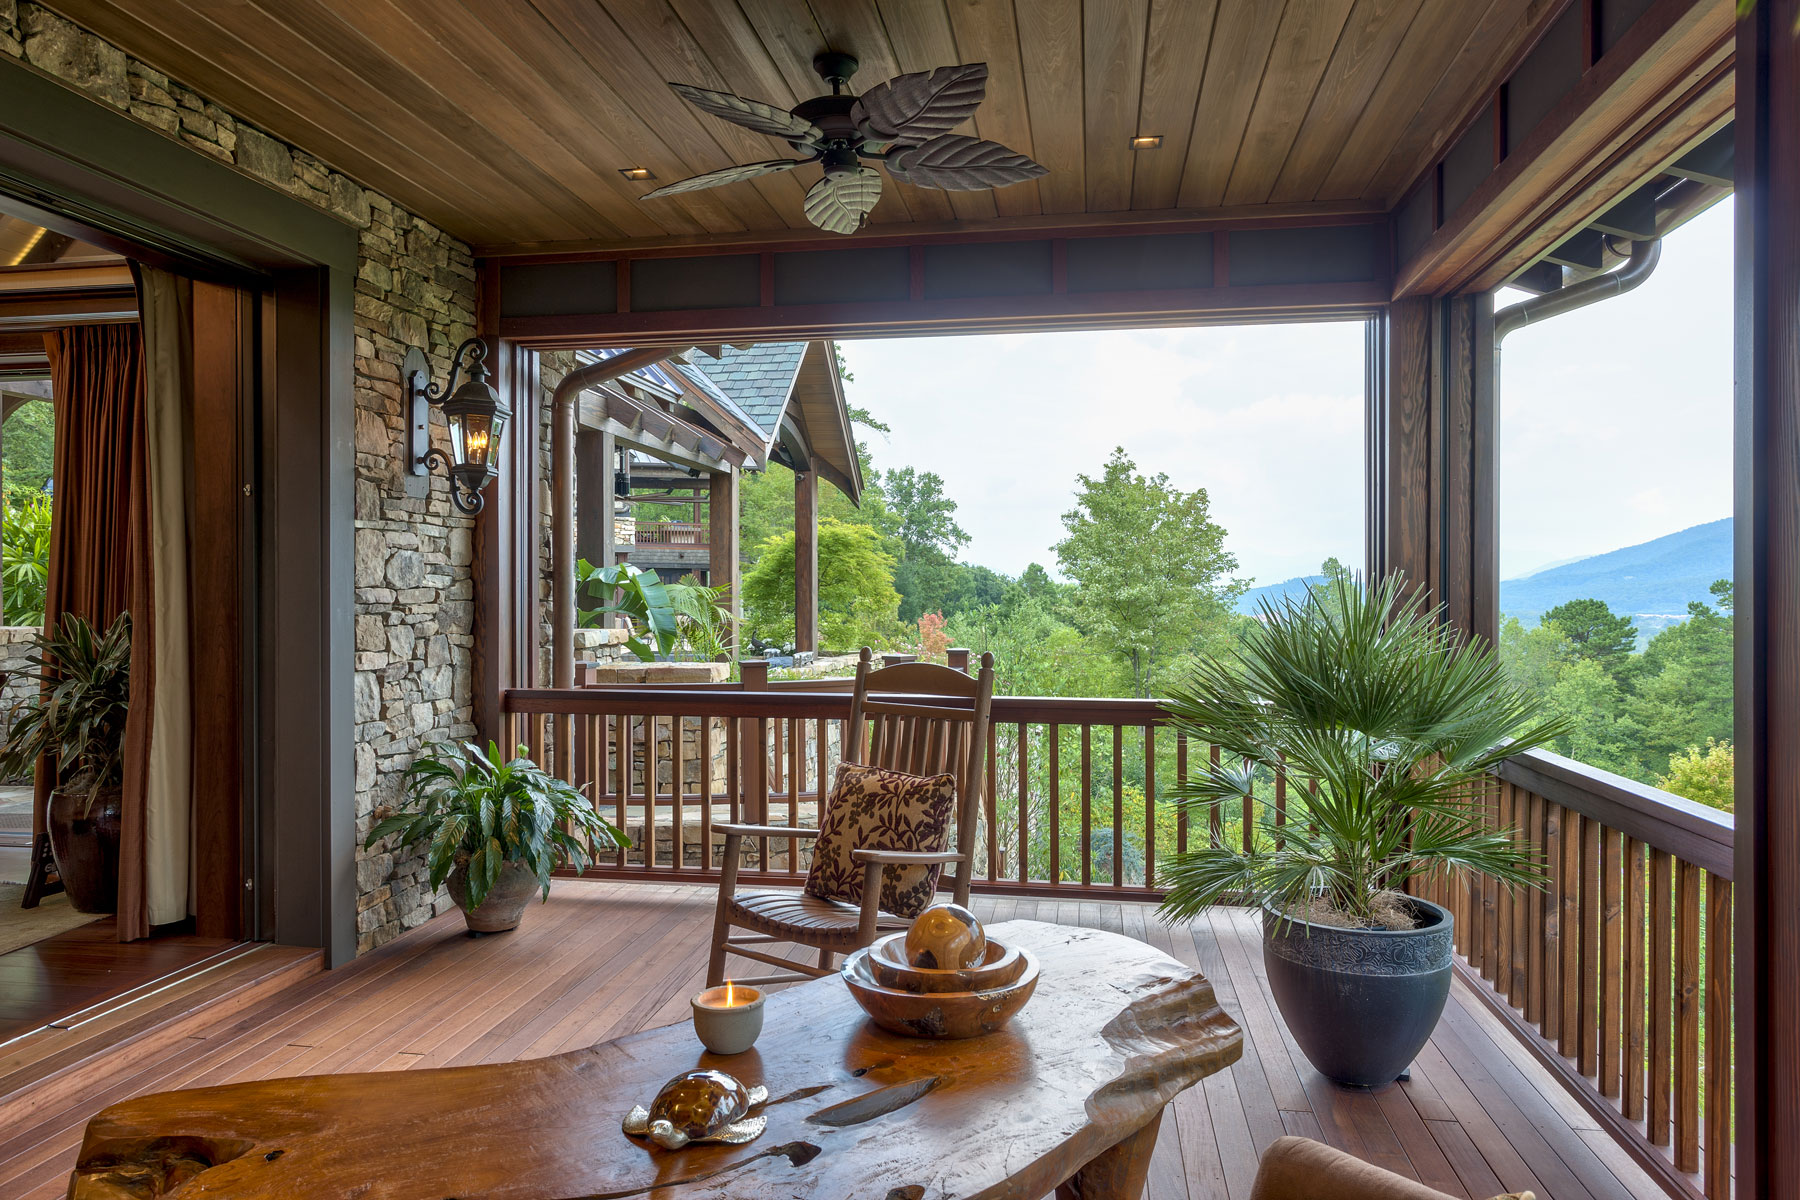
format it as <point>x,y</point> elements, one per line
<point>85,840</point>
<point>504,905</point>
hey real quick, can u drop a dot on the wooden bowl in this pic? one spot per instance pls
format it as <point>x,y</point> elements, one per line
<point>889,969</point>
<point>942,1015</point>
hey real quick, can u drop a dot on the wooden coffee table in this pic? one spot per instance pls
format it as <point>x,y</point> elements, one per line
<point>1068,1096</point>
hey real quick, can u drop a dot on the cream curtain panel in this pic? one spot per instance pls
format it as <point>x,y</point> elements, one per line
<point>166,307</point>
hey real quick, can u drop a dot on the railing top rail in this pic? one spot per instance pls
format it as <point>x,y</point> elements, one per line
<point>804,698</point>
<point>1691,832</point>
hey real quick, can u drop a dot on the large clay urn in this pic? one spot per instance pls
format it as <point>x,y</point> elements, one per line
<point>84,837</point>
<point>504,905</point>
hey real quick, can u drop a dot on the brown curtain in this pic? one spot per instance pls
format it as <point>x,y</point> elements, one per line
<point>100,544</point>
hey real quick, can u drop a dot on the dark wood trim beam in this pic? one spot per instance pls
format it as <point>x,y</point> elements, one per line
<point>1652,94</point>
<point>1009,314</point>
<point>1767,601</point>
<point>806,560</point>
<point>1409,428</point>
<point>722,549</point>
<point>756,241</point>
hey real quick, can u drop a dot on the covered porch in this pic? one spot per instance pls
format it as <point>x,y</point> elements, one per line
<point>1480,1116</point>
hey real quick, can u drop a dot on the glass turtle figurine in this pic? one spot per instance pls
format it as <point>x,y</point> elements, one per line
<point>699,1106</point>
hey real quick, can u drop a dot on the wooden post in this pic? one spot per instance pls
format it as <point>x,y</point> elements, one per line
<point>722,547</point>
<point>1409,449</point>
<point>594,452</point>
<point>1766,600</point>
<point>806,560</point>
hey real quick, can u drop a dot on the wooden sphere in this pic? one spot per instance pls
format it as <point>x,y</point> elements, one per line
<point>946,937</point>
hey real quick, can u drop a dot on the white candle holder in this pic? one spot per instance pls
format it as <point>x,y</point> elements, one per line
<point>728,1019</point>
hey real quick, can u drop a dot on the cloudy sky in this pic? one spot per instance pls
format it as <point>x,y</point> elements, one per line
<point>1615,423</point>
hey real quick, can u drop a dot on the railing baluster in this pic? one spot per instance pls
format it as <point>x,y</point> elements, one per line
<point>1590,946</point>
<point>1535,942</point>
<point>1570,1040</point>
<point>1248,829</point>
<point>1181,778</point>
<point>1687,1017</point>
<point>1215,818</point>
<point>991,799</point>
<point>1149,806</point>
<point>621,750</point>
<point>1637,983</point>
<point>1087,805</point>
<point>796,776</point>
<point>1662,1002</point>
<point>1280,803</point>
<point>1612,961</point>
<point>1556,819</point>
<point>1718,1037</point>
<point>706,793</point>
<point>1024,789</point>
<point>1118,823</point>
<point>677,788</point>
<point>1053,796</point>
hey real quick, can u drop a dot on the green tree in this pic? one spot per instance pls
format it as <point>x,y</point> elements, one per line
<point>1588,699</point>
<point>1036,652</point>
<point>1534,657</point>
<point>1703,775</point>
<point>1150,566</point>
<point>27,444</point>
<point>1594,632</point>
<point>857,601</point>
<point>1684,690</point>
<point>924,517</point>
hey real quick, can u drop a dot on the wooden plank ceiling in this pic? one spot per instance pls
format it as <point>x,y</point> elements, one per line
<point>507,122</point>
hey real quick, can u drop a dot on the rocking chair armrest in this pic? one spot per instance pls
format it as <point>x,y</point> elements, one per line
<point>906,858</point>
<point>787,831</point>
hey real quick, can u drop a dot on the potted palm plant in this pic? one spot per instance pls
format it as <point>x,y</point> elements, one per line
<point>77,716</point>
<point>494,830</point>
<point>1398,721</point>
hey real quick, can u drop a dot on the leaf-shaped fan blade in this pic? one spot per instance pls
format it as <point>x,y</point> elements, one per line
<point>718,178</point>
<point>961,164</point>
<point>916,108</point>
<point>840,204</point>
<point>751,114</point>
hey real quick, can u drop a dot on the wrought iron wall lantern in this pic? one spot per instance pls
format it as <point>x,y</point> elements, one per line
<point>476,416</point>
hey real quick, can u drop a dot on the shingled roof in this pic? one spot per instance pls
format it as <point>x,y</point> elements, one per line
<point>758,378</point>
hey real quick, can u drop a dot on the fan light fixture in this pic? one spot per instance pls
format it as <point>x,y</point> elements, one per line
<point>474,411</point>
<point>1147,141</point>
<point>637,173</point>
<point>903,124</point>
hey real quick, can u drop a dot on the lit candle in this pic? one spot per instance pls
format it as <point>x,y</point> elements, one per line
<point>728,1019</point>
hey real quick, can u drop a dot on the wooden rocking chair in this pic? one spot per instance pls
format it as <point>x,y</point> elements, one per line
<point>919,718</point>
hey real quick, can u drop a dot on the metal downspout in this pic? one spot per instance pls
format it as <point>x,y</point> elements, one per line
<point>562,479</point>
<point>1643,259</point>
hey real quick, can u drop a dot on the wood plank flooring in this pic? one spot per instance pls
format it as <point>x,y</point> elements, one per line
<point>76,969</point>
<point>603,959</point>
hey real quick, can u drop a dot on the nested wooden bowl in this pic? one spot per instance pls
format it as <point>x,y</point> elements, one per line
<point>888,966</point>
<point>943,1015</point>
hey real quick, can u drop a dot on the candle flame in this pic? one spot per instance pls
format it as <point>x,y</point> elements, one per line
<point>730,993</point>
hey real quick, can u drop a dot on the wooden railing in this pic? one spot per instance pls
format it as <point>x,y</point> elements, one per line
<point>1077,797</point>
<point>669,533</point>
<point>1618,975</point>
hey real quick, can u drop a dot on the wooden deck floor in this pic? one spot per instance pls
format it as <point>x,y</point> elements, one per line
<point>603,959</point>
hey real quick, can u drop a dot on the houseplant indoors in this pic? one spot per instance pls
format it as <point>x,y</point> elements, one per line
<point>77,715</point>
<point>1363,690</point>
<point>494,830</point>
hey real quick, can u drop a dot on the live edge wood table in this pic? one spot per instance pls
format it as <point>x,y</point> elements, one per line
<point>1066,1098</point>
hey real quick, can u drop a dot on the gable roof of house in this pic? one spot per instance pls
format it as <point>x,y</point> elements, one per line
<point>758,378</point>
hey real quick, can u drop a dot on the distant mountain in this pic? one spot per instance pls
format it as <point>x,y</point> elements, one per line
<point>1655,579</point>
<point>1274,593</point>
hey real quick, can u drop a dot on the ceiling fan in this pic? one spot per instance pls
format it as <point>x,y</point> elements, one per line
<point>904,124</point>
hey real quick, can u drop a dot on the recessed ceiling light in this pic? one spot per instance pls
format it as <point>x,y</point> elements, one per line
<point>641,173</point>
<point>1152,141</point>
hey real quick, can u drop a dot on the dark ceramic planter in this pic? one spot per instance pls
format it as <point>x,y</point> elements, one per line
<point>504,905</point>
<point>85,840</point>
<point>1360,1002</point>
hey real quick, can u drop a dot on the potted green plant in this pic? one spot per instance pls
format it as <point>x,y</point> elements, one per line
<point>494,830</point>
<point>1398,721</point>
<point>77,716</point>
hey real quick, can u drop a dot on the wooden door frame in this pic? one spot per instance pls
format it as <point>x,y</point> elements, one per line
<point>81,168</point>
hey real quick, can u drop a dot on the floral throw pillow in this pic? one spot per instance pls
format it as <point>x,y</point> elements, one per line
<point>875,809</point>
